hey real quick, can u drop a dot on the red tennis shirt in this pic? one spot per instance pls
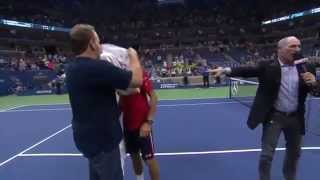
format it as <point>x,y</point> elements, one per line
<point>135,107</point>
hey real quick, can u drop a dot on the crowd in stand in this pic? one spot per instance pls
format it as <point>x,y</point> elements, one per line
<point>172,41</point>
<point>23,63</point>
<point>166,62</point>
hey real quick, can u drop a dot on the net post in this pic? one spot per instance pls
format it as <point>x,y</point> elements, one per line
<point>230,87</point>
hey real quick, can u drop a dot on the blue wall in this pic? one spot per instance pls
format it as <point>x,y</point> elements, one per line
<point>33,82</point>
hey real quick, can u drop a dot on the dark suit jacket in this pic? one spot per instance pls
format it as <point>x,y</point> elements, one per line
<point>269,76</point>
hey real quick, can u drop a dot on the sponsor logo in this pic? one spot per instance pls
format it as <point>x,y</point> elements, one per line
<point>168,86</point>
<point>43,91</point>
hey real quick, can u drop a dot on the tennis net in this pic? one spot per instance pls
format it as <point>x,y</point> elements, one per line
<point>242,91</point>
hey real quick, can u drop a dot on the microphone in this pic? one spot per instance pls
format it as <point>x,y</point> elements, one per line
<point>300,62</point>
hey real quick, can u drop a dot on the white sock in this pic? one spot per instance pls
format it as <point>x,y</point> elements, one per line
<point>140,177</point>
<point>123,154</point>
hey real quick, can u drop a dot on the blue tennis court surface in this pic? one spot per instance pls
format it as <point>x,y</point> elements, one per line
<point>200,139</point>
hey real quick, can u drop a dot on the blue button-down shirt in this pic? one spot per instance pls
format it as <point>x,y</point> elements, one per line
<point>287,100</point>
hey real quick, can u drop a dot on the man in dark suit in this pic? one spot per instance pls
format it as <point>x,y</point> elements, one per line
<point>279,104</point>
<point>91,84</point>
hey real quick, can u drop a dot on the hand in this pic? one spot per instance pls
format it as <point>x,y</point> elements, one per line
<point>217,72</point>
<point>309,78</point>
<point>145,129</point>
<point>132,53</point>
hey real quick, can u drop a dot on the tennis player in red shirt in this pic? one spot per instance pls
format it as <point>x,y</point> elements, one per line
<point>138,115</point>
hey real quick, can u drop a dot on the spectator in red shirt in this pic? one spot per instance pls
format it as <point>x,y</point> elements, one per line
<point>138,114</point>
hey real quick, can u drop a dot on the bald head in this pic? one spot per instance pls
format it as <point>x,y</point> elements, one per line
<point>285,41</point>
<point>287,47</point>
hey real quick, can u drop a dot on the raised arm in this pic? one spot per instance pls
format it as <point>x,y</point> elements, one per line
<point>136,69</point>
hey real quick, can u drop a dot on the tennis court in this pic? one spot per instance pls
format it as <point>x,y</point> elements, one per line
<point>196,139</point>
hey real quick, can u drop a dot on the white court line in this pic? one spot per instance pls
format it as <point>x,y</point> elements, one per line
<point>56,104</point>
<point>182,99</point>
<point>16,107</point>
<point>37,110</point>
<point>22,106</point>
<point>11,108</point>
<point>166,154</point>
<point>163,105</point>
<point>202,98</point>
<point>33,146</point>
<point>197,104</point>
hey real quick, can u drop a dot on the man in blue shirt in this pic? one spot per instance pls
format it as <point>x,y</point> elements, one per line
<point>91,84</point>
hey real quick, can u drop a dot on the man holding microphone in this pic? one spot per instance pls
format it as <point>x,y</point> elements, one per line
<point>279,103</point>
